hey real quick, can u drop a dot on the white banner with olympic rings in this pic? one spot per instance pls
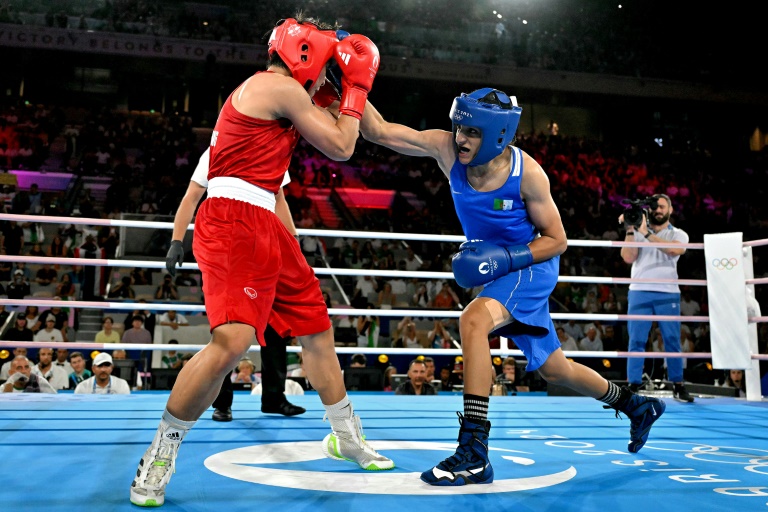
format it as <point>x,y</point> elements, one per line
<point>726,289</point>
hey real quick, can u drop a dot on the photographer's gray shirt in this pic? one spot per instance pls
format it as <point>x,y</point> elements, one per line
<point>652,263</point>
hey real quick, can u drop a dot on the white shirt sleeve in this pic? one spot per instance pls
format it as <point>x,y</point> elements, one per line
<point>60,378</point>
<point>679,235</point>
<point>45,386</point>
<point>200,176</point>
<point>82,388</point>
<point>120,386</point>
<point>286,179</point>
<point>293,388</point>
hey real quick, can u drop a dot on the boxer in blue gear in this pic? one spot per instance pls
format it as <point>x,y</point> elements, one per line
<point>515,238</point>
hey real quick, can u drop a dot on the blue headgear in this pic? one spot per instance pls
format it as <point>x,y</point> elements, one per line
<point>497,123</point>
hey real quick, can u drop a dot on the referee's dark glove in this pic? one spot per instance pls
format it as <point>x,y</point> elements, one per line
<point>174,257</point>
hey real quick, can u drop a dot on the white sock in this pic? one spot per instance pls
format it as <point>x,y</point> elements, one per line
<point>172,428</point>
<point>340,410</point>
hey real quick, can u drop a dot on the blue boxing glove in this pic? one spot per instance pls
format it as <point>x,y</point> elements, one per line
<point>326,95</point>
<point>331,89</point>
<point>478,262</point>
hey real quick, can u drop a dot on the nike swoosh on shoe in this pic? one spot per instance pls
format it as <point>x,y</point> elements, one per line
<point>439,473</point>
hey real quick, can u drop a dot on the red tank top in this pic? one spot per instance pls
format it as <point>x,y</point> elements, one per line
<point>257,151</point>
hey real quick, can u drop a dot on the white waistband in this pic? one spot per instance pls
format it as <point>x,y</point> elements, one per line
<point>239,190</point>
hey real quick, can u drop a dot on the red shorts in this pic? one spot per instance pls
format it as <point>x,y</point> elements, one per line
<point>254,272</point>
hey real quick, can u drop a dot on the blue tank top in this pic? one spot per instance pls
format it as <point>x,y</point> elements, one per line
<point>498,216</point>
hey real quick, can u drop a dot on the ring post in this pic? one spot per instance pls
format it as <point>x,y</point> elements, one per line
<point>727,292</point>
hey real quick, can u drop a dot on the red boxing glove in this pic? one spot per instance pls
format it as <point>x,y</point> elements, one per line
<point>326,95</point>
<point>358,59</point>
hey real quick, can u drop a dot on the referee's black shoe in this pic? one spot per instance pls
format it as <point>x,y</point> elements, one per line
<point>285,408</point>
<point>222,414</point>
<point>681,394</point>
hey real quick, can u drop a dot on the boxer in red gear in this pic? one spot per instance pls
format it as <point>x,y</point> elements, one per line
<point>253,269</point>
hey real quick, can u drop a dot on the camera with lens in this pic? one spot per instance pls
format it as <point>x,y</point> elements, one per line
<point>636,209</point>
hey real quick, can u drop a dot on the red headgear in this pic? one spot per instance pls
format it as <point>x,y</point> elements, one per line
<point>303,47</point>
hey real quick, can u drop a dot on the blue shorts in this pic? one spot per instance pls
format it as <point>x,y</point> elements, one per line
<point>525,294</point>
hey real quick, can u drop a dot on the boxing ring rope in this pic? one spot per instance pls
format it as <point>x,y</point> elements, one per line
<point>349,312</point>
<point>100,262</point>
<point>420,313</point>
<point>422,237</point>
<point>362,350</point>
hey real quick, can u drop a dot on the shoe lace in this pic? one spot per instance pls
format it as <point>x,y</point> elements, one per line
<point>165,454</point>
<point>633,421</point>
<point>633,402</point>
<point>367,447</point>
<point>357,432</point>
<point>462,454</point>
<point>618,412</point>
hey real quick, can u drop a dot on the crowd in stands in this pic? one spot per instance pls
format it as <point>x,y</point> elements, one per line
<point>592,37</point>
<point>26,132</point>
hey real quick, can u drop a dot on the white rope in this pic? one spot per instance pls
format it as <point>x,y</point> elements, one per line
<point>363,350</point>
<point>100,262</point>
<point>416,313</point>
<point>83,304</point>
<point>47,219</point>
<point>428,237</point>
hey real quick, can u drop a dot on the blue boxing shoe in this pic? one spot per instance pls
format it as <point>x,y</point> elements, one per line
<point>470,464</point>
<point>642,411</point>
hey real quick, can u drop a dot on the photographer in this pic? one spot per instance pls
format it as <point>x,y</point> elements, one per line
<point>652,225</point>
<point>167,290</point>
<point>123,290</point>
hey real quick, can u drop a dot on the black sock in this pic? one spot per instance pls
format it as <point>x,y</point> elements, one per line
<point>476,407</point>
<point>615,396</point>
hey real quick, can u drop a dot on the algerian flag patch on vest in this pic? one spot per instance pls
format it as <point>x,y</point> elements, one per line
<point>502,204</point>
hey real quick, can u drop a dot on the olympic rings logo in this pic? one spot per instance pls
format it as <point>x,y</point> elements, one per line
<point>725,263</point>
